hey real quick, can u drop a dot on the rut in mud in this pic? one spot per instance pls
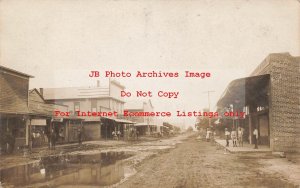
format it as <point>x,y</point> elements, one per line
<point>202,164</point>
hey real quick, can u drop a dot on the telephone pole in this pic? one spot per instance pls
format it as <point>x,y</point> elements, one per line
<point>208,98</point>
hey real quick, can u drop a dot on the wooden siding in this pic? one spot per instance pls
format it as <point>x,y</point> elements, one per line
<point>13,93</point>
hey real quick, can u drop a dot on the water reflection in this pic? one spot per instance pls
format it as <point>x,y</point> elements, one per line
<point>98,170</point>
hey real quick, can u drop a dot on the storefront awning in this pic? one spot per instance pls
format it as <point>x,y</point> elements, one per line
<point>124,121</point>
<point>92,119</point>
<point>105,117</point>
<point>143,124</point>
<point>244,91</point>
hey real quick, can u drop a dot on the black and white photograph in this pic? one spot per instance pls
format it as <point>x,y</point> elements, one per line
<point>150,93</point>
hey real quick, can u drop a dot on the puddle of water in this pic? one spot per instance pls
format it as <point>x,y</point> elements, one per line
<point>101,169</point>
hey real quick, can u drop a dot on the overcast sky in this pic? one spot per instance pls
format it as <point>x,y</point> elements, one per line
<point>59,42</point>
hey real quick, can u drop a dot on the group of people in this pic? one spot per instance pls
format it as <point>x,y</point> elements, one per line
<point>116,135</point>
<point>38,138</point>
<point>235,135</point>
<point>53,137</point>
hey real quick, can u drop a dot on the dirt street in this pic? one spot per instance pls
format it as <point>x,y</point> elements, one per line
<point>177,161</point>
<point>202,164</point>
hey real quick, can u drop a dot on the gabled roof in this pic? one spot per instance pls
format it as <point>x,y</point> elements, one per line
<point>37,92</point>
<point>38,106</point>
<point>150,103</point>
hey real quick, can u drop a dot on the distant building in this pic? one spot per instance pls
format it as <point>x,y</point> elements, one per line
<point>270,98</point>
<point>92,99</point>
<point>145,125</point>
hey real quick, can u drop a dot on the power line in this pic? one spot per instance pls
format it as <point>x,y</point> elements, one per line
<point>208,98</point>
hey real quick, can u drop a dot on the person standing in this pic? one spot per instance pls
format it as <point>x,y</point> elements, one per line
<point>137,134</point>
<point>79,136</point>
<point>38,138</point>
<point>61,135</point>
<point>208,132</point>
<point>119,134</point>
<point>52,139</point>
<point>255,138</point>
<point>240,136</point>
<point>227,136</point>
<point>33,138</point>
<point>114,135</point>
<point>234,137</point>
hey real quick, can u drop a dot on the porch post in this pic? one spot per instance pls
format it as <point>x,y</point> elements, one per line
<point>27,127</point>
<point>250,128</point>
<point>67,131</point>
<point>29,135</point>
<point>7,130</point>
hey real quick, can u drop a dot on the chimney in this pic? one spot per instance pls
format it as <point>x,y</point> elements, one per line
<point>42,91</point>
<point>98,83</point>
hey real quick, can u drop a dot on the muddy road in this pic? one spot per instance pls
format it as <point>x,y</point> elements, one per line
<point>180,161</point>
<point>201,164</point>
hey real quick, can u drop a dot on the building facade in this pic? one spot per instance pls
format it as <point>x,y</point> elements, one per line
<point>90,99</point>
<point>144,125</point>
<point>43,120</point>
<point>284,101</point>
<point>270,98</point>
<point>14,113</point>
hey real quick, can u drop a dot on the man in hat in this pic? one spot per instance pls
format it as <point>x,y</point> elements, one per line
<point>80,136</point>
<point>234,137</point>
<point>227,136</point>
<point>240,136</point>
<point>255,138</point>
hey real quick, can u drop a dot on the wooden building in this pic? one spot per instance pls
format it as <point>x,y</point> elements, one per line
<point>14,111</point>
<point>42,120</point>
<point>144,125</point>
<point>92,99</point>
<point>25,117</point>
